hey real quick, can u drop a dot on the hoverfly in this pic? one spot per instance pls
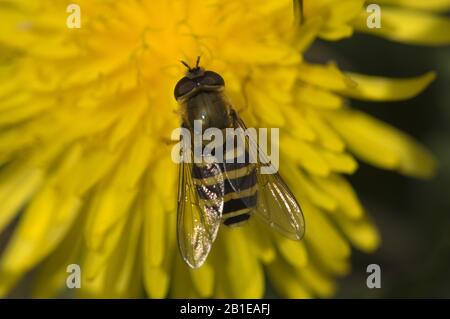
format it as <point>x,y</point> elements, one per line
<point>215,193</point>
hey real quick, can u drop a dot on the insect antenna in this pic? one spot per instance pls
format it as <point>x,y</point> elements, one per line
<point>197,65</point>
<point>186,65</point>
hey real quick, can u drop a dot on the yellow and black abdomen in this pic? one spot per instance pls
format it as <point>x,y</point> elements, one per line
<point>239,179</point>
<point>240,190</point>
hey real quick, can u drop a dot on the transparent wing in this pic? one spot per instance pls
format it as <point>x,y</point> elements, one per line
<point>200,206</point>
<point>276,204</point>
<point>278,207</point>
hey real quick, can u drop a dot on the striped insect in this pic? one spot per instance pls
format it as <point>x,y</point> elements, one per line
<point>213,192</point>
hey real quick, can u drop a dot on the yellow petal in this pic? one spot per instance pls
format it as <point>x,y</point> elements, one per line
<point>325,76</point>
<point>314,96</point>
<point>17,185</point>
<point>124,266</point>
<point>268,110</point>
<point>362,233</point>
<point>326,137</point>
<point>342,191</point>
<point>320,283</point>
<point>182,284</point>
<point>340,162</point>
<point>329,247</point>
<point>283,281</point>
<point>97,255</point>
<point>94,287</point>
<point>305,34</point>
<point>159,230</point>
<point>203,279</point>
<point>157,279</point>
<point>335,14</point>
<point>96,164</point>
<point>52,274</point>
<point>107,210</point>
<point>298,125</point>
<point>294,176</point>
<point>293,252</point>
<point>13,101</point>
<point>120,276</point>
<point>154,228</point>
<point>44,224</point>
<point>30,244</point>
<point>235,253</point>
<point>126,125</point>
<point>167,171</point>
<point>261,243</point>
<point>305,154</point>
<point>254,52</point>
<point>24,110</point>
<point>432,5</point>
<point>115,197</point>
<point>382,145</point>
<point>375,88</point>
<point>408,26</point>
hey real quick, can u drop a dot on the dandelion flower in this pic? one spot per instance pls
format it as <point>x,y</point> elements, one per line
<point>86,176</point>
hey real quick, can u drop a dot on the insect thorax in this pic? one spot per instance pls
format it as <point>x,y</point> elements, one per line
<point>208,107</point>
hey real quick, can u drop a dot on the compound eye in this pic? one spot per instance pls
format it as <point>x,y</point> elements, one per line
<point>212,79</point>
<point>183,87</point>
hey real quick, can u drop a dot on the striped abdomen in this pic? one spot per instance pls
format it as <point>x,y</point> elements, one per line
<point>240,189</point>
